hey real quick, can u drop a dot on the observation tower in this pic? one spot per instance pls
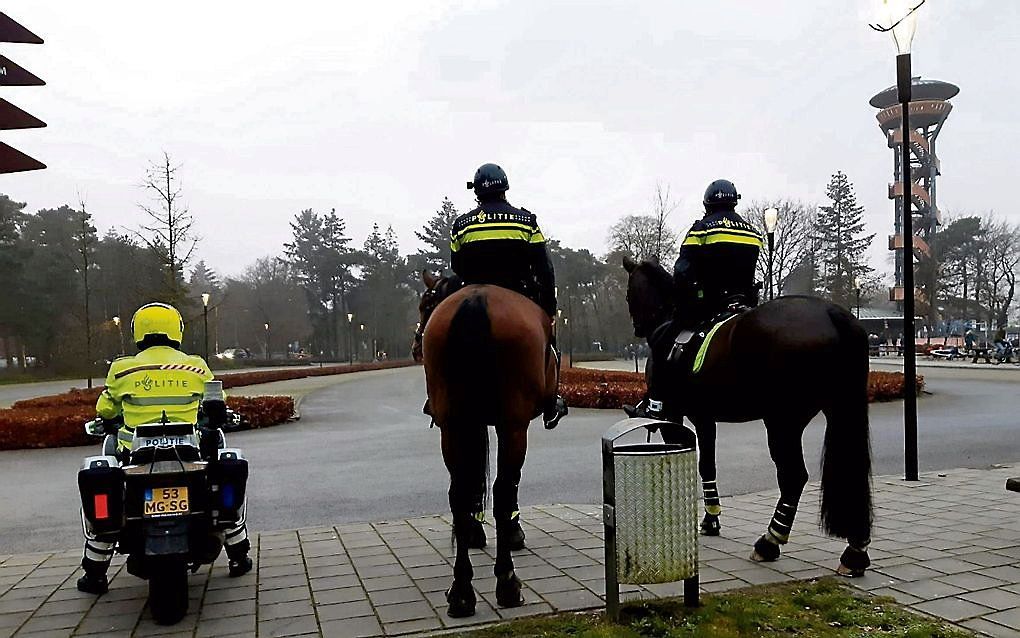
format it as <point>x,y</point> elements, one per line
<point>929,108</point>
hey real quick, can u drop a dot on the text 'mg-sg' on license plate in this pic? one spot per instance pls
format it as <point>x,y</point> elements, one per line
<point>165,501</point>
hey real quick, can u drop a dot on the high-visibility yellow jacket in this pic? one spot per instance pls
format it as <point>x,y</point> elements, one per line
<point>156,380</point>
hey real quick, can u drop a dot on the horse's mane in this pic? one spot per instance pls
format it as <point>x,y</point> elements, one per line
<point>657,275</point>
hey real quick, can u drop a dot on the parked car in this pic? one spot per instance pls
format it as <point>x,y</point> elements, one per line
<point>234,353</point>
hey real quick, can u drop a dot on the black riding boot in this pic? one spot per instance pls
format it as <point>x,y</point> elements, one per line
<point>94,582</point>
<point>668,350</point>
<point>239,563</point>
<point>556,409</point>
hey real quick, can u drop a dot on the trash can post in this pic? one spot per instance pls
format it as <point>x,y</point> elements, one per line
<point>609,522</point>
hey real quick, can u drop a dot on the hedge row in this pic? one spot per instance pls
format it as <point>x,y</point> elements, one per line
<point>77,397</point>
<point>62,425</point>
<point>589,388</point>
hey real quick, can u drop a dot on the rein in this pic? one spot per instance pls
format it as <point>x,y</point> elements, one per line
<point>430,300</point>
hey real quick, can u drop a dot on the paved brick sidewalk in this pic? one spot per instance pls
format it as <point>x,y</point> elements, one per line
<point>947,545</point>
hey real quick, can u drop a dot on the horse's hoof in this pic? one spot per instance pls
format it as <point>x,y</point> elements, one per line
<point>513,536</point>
<point>508,591</point>
<point>710,525</point>
<point>461,600</point>
<point>476,535</point>
<point>853,563</point>
<point>765,551</point>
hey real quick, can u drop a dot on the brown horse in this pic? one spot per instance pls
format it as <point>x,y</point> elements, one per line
<point>487,362</point>
<point>782,362</point>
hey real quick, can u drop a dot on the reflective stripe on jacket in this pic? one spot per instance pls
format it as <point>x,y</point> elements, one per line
<point>155,381</point>
<point>717,258</point>
<point>502,245</point>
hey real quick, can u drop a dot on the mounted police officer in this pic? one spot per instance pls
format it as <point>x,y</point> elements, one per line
<point>713,274</point>
<point>499,244</point>
<point>159,382</point>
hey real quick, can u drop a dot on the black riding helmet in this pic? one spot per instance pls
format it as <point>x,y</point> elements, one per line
<point>721,195</point>
<point>489,180</point>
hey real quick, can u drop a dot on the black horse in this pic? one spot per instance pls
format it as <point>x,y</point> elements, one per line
<point>782,362</point>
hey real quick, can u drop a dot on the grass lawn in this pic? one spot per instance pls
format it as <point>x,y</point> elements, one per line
<point>824,607</point>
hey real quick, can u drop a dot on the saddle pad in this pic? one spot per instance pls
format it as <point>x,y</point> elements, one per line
<point>703,349</point>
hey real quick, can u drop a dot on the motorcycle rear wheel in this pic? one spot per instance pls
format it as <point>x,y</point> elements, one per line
<point>168,591</point>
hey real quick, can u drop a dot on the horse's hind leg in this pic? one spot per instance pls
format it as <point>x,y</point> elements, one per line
<point>787,453</point>
<point>465,455</point>
<point>513,445</point>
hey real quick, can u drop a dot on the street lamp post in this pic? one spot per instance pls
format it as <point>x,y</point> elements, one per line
<point>350,337</point>
<point>857,291</point>
<point>205,319</point>
<point>361,340</point>
<point>116,322</point>
<point>268,356</point>
<point>901,18</point>
<point>771,218</point>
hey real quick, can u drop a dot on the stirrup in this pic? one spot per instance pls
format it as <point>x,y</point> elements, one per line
<point>556,412</point>
<point>646,409</point>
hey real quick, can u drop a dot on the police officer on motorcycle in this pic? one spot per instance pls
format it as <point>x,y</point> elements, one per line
<point>160,381</point>
<point>715,271</point>
<point>499,244</point>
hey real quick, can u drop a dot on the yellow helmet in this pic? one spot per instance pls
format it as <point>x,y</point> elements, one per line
<point>158,319</point>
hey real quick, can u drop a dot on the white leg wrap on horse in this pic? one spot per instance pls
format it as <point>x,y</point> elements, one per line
<point>711,491</point>
<point>782,522</point>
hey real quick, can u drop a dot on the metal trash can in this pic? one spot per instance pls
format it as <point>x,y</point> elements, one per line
<point>650,511</point>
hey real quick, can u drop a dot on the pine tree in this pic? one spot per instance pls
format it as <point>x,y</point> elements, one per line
<point>322,258</point>
<point>436,235</point>
<point>203,279</point>
<point>842,244</point>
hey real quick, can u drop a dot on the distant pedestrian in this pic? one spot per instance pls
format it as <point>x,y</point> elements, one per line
<point>968,340</point>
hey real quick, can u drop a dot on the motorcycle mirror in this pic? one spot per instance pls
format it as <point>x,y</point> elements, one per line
<point>470,185</point>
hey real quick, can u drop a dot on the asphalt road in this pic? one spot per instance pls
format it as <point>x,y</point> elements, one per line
<point>364,452</point>
<point>9,393</point>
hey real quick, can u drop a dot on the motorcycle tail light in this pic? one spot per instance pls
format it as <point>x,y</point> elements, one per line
<point>102,506</point>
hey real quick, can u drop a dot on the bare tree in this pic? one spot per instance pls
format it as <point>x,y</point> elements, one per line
<point>170,224</point>
<point>665,239</point>
<point>85,240</point>
<point>792,239</point>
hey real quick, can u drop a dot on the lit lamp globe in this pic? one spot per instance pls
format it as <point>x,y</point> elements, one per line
<point>900,17</point>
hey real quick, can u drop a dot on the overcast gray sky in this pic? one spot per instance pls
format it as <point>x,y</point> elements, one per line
<point>379,109</point>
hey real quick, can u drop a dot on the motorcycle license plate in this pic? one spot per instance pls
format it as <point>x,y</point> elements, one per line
<point>161,441</point>
<point>165,501</point>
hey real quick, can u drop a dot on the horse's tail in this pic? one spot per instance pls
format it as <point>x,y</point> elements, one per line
<point>469,353</point>
<point>846,510</point>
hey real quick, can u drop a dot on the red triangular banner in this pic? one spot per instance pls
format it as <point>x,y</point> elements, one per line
<point>11,117</point>
<point>12,74</point>
<point>11,31</point>
<point>13,161</point>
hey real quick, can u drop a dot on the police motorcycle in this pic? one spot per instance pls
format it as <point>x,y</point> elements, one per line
<point>166,502</point>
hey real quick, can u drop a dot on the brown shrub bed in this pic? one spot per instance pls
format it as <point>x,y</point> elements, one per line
<point>57,425</point>
<point>57,420</point>
<point>589,388</point>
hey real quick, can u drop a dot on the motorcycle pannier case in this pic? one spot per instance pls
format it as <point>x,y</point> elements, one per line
<point>101,484</point>
<point>228,480</point>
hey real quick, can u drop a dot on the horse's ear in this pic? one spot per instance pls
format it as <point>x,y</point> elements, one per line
<point>629,264</point>
<point>429,279</point>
